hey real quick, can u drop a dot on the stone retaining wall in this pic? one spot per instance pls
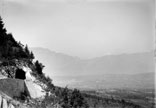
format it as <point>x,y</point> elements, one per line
<point>13,87</point>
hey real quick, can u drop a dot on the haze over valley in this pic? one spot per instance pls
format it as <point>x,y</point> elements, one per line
<point>88,53</point>
<point>110,71</point>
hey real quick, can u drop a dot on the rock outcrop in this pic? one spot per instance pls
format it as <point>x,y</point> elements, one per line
<point>34,90</point>
<point>8,102</point>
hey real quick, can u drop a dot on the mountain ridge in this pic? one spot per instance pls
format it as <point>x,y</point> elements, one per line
<point>136,63</point>
<point>111,54</point>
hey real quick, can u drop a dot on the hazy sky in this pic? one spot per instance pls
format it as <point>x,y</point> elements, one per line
<point>84,28</point>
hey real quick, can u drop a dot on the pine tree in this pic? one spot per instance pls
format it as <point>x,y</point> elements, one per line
<point>39,67</point>
<point>32,55</point>
<point>2,29</point>
<point>65,98</point>
<point>2,32</point>
<point>27,50</point>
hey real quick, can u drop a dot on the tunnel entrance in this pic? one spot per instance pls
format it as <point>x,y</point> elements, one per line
<point>20,74</point>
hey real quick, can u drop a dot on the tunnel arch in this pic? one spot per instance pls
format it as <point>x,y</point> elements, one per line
<point>20,74</point>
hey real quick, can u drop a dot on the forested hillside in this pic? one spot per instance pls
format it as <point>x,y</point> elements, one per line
<point>14,55</point>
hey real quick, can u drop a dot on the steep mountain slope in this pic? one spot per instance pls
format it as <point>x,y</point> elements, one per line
<point>34,89</point>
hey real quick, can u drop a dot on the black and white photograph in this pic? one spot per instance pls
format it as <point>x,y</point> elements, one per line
<point>77,53</point>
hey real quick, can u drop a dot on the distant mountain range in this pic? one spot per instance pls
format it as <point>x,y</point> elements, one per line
<point>130,68</point>
<point>59,64</point>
